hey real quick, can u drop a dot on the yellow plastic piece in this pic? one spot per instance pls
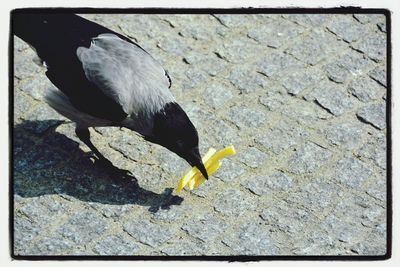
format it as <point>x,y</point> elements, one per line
<point>194,178</point>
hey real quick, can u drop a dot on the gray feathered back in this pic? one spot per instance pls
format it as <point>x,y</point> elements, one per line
<point>127,74</point>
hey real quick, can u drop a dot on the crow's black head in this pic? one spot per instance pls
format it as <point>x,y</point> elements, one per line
<point>174,130</point>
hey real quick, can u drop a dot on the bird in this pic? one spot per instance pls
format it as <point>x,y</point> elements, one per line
<point>104,79</point>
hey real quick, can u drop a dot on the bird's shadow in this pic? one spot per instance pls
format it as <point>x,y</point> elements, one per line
<point>46,162</point>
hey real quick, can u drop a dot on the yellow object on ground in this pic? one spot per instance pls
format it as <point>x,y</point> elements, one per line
<point>194,178</point>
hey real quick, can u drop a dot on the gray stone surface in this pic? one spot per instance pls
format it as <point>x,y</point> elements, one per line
<point>206,227</point>
<point>294,93</point>
<point>251,239</point>
<point>244,117</point>
<point>252,157</point>
<point>316,196</point>
<point>247,80</point>
<point>281,137</point>
<point>366,89</point>
<point>347,66</point>
<point>379,75</point>
<point>217,96</point>
<point>316,46</point>
<point>375,149</point>
<point>351,172</point>
<point>296,82</point>
<point>331,97</point>
<point>275,34</point>
<point>344,27</point>
<point>308,158</point>
<point>266,185</point>
<point>374,114</point>
<point>115,245</point>
<point>347,135</point>
<point>284,218</point>
<point>373,46</point>
<point>147,232</point>
<point>233,202</point>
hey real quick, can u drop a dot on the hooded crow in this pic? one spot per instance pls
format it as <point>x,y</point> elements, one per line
<point>102,78</point>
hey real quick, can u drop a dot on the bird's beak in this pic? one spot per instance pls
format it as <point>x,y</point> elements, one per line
<point>195,160</point>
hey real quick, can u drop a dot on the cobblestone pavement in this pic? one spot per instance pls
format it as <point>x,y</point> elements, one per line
<point>301,97</point>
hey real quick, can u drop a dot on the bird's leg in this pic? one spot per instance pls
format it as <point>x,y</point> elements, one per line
<point>84,135</point>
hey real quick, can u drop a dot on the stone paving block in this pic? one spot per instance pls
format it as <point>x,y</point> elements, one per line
<point>305,113</point>
<point>308,158</point>
<point>233,202</point>
<point>365,89</point>
<point>351,172</point>
<point>147,232</point>
<point>315,47</point>
<point>24,231</point>
<point>379,75</point>
<point>366,18</point>
<point>223,133</point>
<point>173,214</point>
<point>252,157</point>
<point>229,20</point>
<point>346,28</point>
<point>247,80</point>
<point>37,87</point>
<point>318,242</point>
<point>198,115</point>
<point>184,248</point>
<point>194,78</point>
<point>206,227</point>
<point>53,245</point>
<point>318,195</point>
<point>267,185</point>
<point>274,100</point>
<point>239,50</point>
<point>42,119</point>
<point>207,188</point>
<point>281,137</point>
<point>374,46</point>
<point>374,114</point>
<point>116,245</point>
<point>381,26</point>
<point>173,46</point>
<point>372,243</point>
<point>24,67</point>
<point>82,227</point>
<point>375,149</point>
<point>216,96</point>
<point>244,117</point>
<point>229,170</point>
<point>251,239</point>
<point>347,66</point>
<point>378,189</point>
<point>308,20</point>
<point>359,209</point>
<point>331,97</point>
<point>131,146</point>
<point>276,64</point>
<point>22,104</point>
<point>344,232</point>
<point>283,217</point>
<point>38,158</point>
<point>276,33</point>
<point>346,135</point>
<point>298,81</point>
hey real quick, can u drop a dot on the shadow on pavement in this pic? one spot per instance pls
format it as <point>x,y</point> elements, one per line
<point>47,162</point>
